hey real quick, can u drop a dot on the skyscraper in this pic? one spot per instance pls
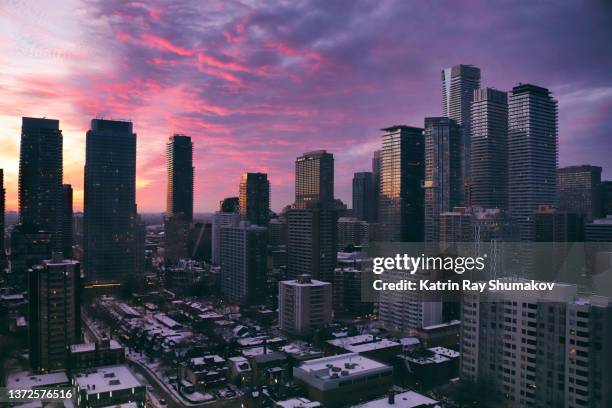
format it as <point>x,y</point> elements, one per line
<point>29,246</point>
<point>40,177</point>
<point>363,196</point>
<point>110,200</point>
<point>2,208</point>
<point>442,172</point>
<point>314,179</point>
<point>254,200</point>
<point>221,219</point>
<point>606,192</point>
<point>532,154</point>
<point>489,149</point>
<point>458,85</point>
<point>54,312</point>
<point>312,242</point>
<point>67,236</point>
<point>376,165</point>
<point>579,191</point>
<point>179,161</point>
<point>402,172</point>
<point>243,263</point>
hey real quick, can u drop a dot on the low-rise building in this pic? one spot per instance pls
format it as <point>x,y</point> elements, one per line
<point>87,355</point>
<point>408,399</point>
<point>367,345</point>
<point>108,386</point>
<point>343,379</point>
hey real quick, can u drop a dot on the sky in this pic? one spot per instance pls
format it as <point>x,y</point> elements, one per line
<point>258,83</point>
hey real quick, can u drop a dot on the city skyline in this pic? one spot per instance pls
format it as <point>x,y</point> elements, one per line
<point>254,97</point>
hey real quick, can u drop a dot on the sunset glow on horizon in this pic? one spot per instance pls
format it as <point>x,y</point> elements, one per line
<point>256,84</point>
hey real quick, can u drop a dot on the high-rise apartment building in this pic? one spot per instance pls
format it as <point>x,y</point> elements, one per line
<point>40,177</point>
<point>376,166</point>
<point>457,225</point>
<point>458,85</point>
<point>535,349</point>
<point>254,199</point>
<point>403,312</point>
<point>402,172</point>
<point>351,232</point>
<point>221,219</point>
<point>303,305</point>
<point>314,179</point>
<point>364,196</point>
<point>29,247</point>
<point>532,154</point>
<point>54,312</point>
<point>579,191</point>
<point>179,161</point>
<point>443,181</point>
<point>243,263</point>
<point>110,200</point>
<point>312,242</point>
<point>489,149</point>
<point>67,235</point>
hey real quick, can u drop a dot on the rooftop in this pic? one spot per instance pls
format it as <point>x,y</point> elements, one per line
<point>363,343</point>
<point>341,365</point>
<point>408,399</point>
<point>105,379</point>
<point>24,380</point>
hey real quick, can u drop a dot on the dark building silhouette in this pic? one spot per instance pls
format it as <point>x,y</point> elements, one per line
<point>457,225</point>
<point>54,316</point>
<point>29,246</point>
<point>314,178</point>
<point>40,177</point>
<point>458,85</point>
<point>579,191</point>
<point>554,225</point>
<point>110,205</point>
<point>67,236</point>
<point>230,205</point>
<point>443,181</point>
<point>200,242</point>
<point>376,165</point>
<point>179,158</point>
<point>532,155</point>
<point>2,209</point>
<point>402,172</point>
<point>606,197</point>
<point>489,149</point>
<point>599,230</point>
<point>364,196</point>
<point>254,199</point>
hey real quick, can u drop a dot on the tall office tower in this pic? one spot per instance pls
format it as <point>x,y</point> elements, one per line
<point>221,219</point>
<point>314,179</point>
<point>303,305</point>
<point>29,246</point>
<point>277,230</point>
<point>364,196</point>
<point>230,204</point>
<point>442,172</point>
<point>110,200</point>
<point>40,176</point>
<point>311,242</point>
<point>458,85</point>
<point>243,263</point>
<point>606,192</point>
<point>254,200</point>
<point>403,312</point>
<point>579,191</point>
<point>352,232</point>
<point>532,154</point>
<point>179,162</point>
<point>489,149</point>
<point>402,172</point>
<point>376,166</point>
<point>512,340</point>
<point>2,231</point>
<point>54,312</point>
<point>67,236</point>
<point>457,225</point>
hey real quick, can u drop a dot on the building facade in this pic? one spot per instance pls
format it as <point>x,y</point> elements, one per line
<point>314,179</point>
<point>364,196</point>
<point>304,304</point>
<point>254,199</point>
<point>579,191</point>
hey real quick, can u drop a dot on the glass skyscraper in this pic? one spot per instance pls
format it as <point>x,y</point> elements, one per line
<point>314,178</point>
<point>254,198</point>
<point>532,154</point>
<point>110,201</point>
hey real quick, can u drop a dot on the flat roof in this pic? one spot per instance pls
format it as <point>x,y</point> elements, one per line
<point>363,343</point>
<point>352,363</point>
<point>25,380</point>
<point>105,379</point>
<point>408,399</point>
